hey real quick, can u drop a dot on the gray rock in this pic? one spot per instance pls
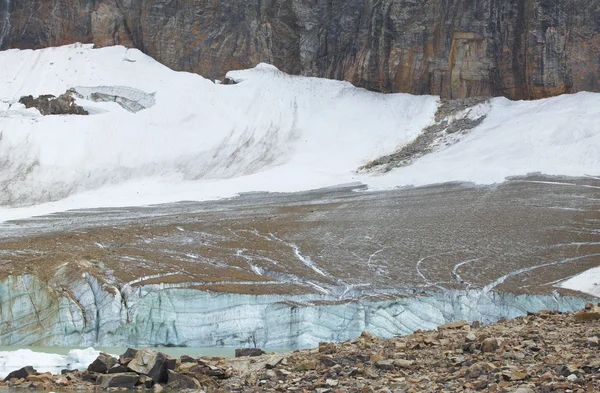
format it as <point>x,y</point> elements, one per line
<point>150,363</point>
<point>177,382</point>
<point>21,373</point>
<point>489,345</point>
<point>51,105</point>
<point>103,363</point>
<point>248,352</point>
<point>123,380</point>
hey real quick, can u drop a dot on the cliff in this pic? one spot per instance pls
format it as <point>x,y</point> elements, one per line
<point>521,49</point>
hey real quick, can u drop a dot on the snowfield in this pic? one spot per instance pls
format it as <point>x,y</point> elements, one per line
<point>196,139</point>
<point>191,139</point>
<point>172,136</point>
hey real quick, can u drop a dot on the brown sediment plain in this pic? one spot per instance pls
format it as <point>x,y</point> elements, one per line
<point>521,236</point>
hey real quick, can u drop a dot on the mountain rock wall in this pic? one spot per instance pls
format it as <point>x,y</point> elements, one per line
<point>522,49</point>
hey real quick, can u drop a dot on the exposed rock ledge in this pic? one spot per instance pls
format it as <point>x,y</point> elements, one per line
<point>547,351</point>
<point>48,104</point>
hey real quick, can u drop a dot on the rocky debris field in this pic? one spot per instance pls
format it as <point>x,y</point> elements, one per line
<point>546,351</point>
<point>453,120</point>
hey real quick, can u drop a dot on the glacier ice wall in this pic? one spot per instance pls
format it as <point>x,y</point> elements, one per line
<point>83,311</point>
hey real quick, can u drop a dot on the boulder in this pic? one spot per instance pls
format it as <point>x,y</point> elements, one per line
<point>584,316</point>
<point>403,363</point>
<point>146,381</point>
<point>117,369</point>
<point>21,373</point>
<point>172,363</point>
<point>489,345</point>
<point>248,352</point>
<point>150,363</point>
<point>454,325</point>
<point>273,362</point>
<point>103,363</point>
<point>126,357</point>
<point>384,365</point>
<point>178,382</point>
<point>188,359</point>
<point>123,380</point>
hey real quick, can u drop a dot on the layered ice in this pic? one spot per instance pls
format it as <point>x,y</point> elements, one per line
<point>84,311</point>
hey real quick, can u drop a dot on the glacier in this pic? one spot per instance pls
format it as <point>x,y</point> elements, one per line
<point>159,136</point>
<point>83,311</point>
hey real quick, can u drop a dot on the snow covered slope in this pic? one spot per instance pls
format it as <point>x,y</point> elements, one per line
<point>172,136</point>
<point>271,132</point>
<point>555,136</point>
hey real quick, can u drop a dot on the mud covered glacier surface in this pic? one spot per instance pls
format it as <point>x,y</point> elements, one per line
<point>291,270</point>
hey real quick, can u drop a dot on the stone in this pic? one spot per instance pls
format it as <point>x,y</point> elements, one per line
<point>523,390</point>
<point>518,376</point>
<point>123,380</point>
<point>188,359</point>
<point>471,337</point>
<point>146,381</point>
<point>332,382</point>
<point>474,371</point>
<point>489,345</point>
<point>172,363</point>
<point>583,316</point>
<point>178,381</point>
<point>453,325</point>
<point>272,363</point>
<point>21,373</point>
<point>307,365</point>
<point>126,357</point>
<point>375,357</point>
<point>150,363</point>
<point>117,369</point>
<point>327,348</point>
<point>103,363</point>
<point>248,352</point>
<point>403,363</point>
<point>384,365</point>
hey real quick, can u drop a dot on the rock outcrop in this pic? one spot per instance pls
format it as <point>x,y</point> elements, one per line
<point>522,49</point>
<point>48,104</point>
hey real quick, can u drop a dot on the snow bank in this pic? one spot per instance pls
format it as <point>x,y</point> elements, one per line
<point>587,282</point>
<point>555,136</point>
<point>76,359</point>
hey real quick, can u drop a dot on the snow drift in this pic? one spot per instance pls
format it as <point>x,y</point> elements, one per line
<point>155,135</point>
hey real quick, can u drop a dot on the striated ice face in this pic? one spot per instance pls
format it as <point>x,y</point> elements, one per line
<point>92,313</point>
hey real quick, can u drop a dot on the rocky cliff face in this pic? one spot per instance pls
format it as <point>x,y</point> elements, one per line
<point>522,49</point>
